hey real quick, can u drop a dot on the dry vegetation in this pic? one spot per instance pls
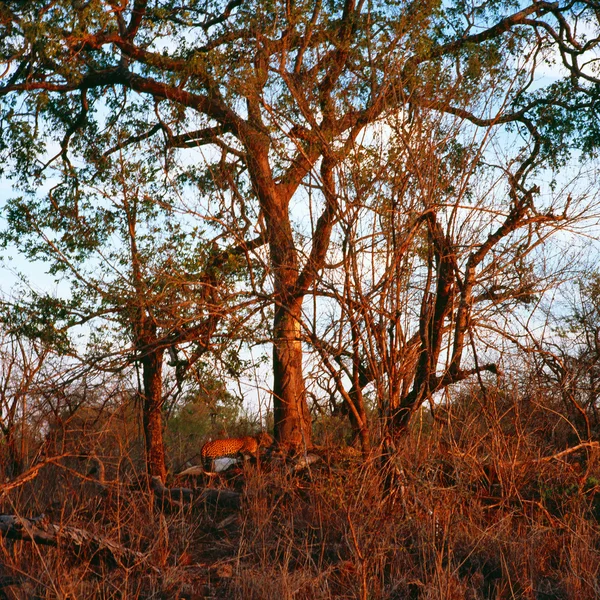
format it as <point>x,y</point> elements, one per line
<point>346,211</point>
<point>481,505</point>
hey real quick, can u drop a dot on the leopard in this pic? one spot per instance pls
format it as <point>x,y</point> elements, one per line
<point>226,447</point>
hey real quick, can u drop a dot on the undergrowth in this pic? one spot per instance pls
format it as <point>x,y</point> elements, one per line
<point>476,510</point>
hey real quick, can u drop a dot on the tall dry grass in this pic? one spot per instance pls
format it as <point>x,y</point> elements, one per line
<point>479,509</point>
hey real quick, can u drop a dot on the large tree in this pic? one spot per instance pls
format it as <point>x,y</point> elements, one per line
<point>281,91</point>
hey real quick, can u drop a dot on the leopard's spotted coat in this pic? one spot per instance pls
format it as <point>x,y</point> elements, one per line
<point>226,447</point>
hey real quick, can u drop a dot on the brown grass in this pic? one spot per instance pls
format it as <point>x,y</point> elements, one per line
<point>474,513</point>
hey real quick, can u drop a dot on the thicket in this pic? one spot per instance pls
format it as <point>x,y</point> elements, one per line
<point>487,505</point>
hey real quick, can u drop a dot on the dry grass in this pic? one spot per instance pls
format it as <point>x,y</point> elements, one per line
<point>473,514</point>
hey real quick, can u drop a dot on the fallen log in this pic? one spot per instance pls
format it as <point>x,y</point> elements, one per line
<point>170,498</point>
<point>220,498</point>
<point>79,542</point>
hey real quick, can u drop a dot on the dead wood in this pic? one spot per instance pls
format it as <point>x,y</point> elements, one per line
<point>220,498</point>
<point>30,474</point>
<point>304,462</point>
<point>194,471</point>
<point>169,498</point>
<point>559,455</point>
<point>543,459</point>
<point>79,542</point>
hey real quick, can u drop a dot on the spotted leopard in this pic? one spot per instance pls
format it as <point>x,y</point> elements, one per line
<point>226,447</point>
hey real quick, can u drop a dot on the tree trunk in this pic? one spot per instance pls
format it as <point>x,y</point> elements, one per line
<point>290,411</point>
<point>361,377</point>
<point>153,421</point>
<point>360,429</point>
<point>14,465</point>
<point>292,424</point>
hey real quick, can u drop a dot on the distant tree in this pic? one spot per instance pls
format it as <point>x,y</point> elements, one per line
<point>21,373</point>
<point>40,393</point>
<point>281,92</point>
<point>567,359</point>
<point>206,410</point>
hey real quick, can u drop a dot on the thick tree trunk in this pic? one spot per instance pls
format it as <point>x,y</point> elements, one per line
<point>290,411</point>
<point>292,419</point>
<point>153,421</point>
<point>292,425</point>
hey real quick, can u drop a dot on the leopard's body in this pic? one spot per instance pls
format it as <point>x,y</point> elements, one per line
<point>228,447</point>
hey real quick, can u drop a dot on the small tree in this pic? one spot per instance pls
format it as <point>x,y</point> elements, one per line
<point>441,243</point>
<point>143,282</point>
<point>567,361</point>
<point>21,365</point>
